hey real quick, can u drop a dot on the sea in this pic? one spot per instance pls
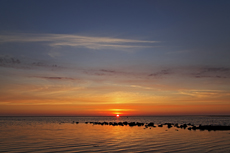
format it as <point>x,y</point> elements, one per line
<point>63,134</point>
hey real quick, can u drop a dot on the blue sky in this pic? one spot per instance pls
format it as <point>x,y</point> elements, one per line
<point>151,50</point>
<point>195,30</point>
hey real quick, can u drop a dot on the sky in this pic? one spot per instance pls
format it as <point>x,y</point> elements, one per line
<point>104,57</point>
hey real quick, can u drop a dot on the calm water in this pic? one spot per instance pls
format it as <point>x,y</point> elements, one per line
<point>58,134</point>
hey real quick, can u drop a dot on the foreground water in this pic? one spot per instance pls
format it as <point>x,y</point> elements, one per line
<point>61,134</point>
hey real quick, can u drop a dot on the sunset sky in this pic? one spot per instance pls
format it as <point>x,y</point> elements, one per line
<point>108,57</point>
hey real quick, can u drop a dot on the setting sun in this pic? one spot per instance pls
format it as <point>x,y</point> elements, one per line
<point>117,115</point>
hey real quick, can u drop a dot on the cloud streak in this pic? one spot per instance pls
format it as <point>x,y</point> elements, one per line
<point>213,72</point>
<point>78,41</point>
<point>58,78</point>
<point>161,73</point>
<point>12,62</point>
<point>112,74</point>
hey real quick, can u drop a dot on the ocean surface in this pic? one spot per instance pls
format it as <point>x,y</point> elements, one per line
<point>62,134</point>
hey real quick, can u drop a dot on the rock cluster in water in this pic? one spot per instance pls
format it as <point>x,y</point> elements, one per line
<point>169,125</point>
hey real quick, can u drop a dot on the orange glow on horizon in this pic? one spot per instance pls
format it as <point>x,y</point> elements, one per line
<point>105,110</point>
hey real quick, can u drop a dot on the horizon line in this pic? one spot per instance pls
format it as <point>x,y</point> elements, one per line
<point>114,116</point>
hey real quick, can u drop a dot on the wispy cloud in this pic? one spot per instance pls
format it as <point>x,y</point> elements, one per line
<point>58,78</point>
<point>7,60</point>
<point>78,41</point>
<point>161,73</point>
<point>212,72</point>
<point>113,73</point>
<point>23,63</point>
<point>204,93</point>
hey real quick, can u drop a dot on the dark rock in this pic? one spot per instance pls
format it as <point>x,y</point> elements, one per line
<point>132,124</point>
<point>139,124</point>
<point>160,125</point>
<point>120,123</point>
<point>176,125</point>
<point>169,125</point>
<point>115,124</point>
<point>183,126</point>
<point>213,127</point>
<point>194,127</point>
<point>151,124</point>
<point>96,123</point>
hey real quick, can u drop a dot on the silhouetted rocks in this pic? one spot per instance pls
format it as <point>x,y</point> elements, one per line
<point>140,124</point>
<point>183,126</point>
<point>95,123</point>
<point>160,125</point>
<point>194,127</point>
<point>131,124</point>
<point>115,124</point>
<point>151,124</point>
<point>120,123</point>
<point>176,125</point>
<point>213,128</point>
<point>169,125</point>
